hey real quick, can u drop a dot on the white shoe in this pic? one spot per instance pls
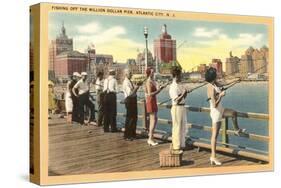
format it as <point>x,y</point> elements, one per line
<point>151,142</point>
<point>240,132</point>
<point>215,161</point>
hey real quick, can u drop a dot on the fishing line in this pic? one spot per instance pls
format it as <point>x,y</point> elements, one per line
<point>188,92</point>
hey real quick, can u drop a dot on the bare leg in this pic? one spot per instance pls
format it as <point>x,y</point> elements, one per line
<point>69,117</point>
<point>233,114</point>
<point>215,133</point>
<point>152,123</point>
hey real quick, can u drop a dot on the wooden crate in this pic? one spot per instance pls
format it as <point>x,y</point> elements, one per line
<point>167,159</point>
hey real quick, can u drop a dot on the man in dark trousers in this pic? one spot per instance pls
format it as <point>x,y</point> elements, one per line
<point>130,93</point>
<point>110,89</point>
<point>100,97</point>
<point>75,108</point>
<point>84,98</point>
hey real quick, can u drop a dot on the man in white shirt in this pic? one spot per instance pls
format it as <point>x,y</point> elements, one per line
<point>100,97</point>
<point>130,94</point>
<point>110,105</point>
<point>75,107</point>
<point>83,97</point>
<point>178,94</point>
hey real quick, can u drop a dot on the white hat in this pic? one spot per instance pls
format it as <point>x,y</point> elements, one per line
<point>84,74</point>
<point>50,83</point>
<point>76,74</point>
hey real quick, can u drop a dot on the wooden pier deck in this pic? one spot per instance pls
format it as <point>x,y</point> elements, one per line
<point>73,150</point>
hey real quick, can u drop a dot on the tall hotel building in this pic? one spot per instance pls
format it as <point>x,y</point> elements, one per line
<point>61,44</point>
<point>165,47</point>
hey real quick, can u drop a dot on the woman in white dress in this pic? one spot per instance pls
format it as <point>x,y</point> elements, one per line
<point>217,112</point>
<point>68,101</point>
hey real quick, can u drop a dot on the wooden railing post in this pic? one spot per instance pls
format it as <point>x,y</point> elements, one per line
<point>224,135</point>
<point>144,117</point>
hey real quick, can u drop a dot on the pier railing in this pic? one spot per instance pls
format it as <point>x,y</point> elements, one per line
<point>223,145</point>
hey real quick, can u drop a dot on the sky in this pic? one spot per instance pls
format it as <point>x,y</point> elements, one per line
<point>123,36</point>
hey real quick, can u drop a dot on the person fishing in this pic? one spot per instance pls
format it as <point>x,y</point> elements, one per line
<point>178,95</point>
<point>130,94</point>
<point>217,112</point>
<point>151,92</point>
<point>71,101</point>
<point>100,97</point>
<point>110,89</point>
<point>83,95</point>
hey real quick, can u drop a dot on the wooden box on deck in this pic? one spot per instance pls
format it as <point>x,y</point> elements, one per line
<point>167,159</point>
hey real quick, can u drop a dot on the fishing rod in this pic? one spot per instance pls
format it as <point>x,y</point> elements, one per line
<point>231,84</point>
<point>189,91</point>
<point>97,84</point>
<point>258,69</point>
<point>139,83</point>
<point>165,85</point>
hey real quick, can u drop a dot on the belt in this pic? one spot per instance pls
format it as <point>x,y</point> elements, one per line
<point>178,104</point>
<point>110,92</point>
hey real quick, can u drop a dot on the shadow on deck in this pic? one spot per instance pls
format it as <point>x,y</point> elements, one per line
<point>73,150</point>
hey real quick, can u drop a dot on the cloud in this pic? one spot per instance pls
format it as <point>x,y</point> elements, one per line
<point>241,40</point>
<point>101,37</point>
<point>92,27</point>
<point>203,51</point>
<point>111,40</point>
<point>203,32</point>
<point>249,39</point>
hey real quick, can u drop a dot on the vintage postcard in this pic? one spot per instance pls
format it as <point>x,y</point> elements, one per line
<point>122,93</point>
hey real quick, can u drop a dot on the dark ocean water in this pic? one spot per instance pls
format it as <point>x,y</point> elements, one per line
<point>244,97</point>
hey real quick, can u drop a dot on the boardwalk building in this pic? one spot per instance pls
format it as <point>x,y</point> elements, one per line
<point>260,60</point>
<point>254,61</point>
<point>132,65</point>
<point>231,64</point>
<point>68,62</point>
<point>102,63</point>
<point>140,61</point>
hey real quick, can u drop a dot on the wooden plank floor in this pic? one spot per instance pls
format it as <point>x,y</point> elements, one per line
<point>73,150</point>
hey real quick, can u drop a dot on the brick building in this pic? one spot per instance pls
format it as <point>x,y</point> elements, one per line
<point>68,62</point>
<point>217,64</point>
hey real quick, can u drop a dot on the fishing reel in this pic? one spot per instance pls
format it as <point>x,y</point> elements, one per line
<point>139,83</point>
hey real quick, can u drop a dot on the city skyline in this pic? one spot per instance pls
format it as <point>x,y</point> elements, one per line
<point>123,36</point>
